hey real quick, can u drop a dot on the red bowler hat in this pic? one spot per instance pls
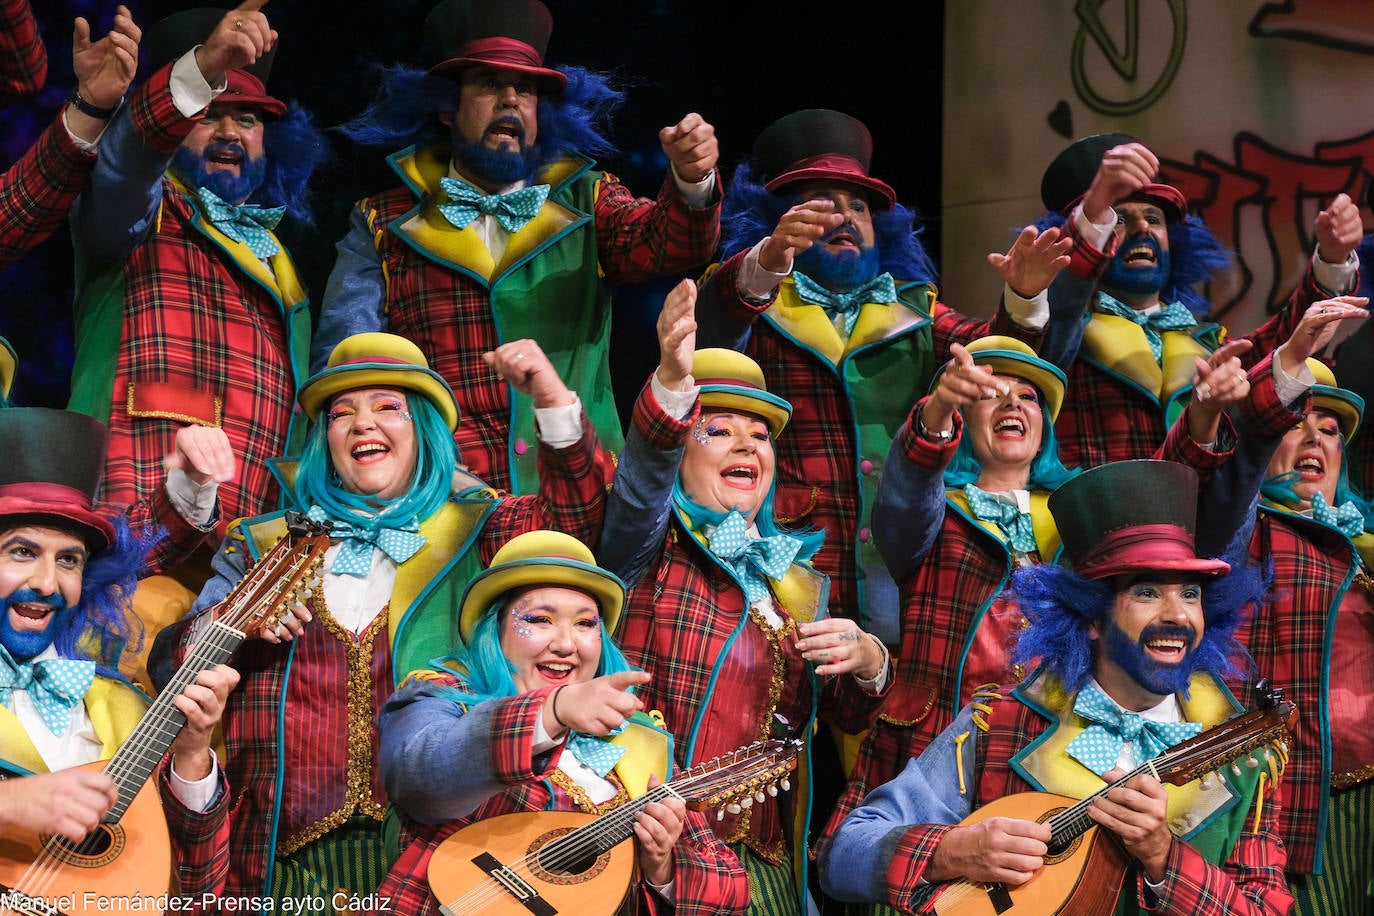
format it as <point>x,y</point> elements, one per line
<point>1131,516</point>
<point>503,34</point>
<point>171,37</point>
<point>53,462</point>
<point>817,144</point>
<point>1071,173</point>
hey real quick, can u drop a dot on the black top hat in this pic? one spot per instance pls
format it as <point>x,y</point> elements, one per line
<point>52,468</point>
<point>1131,516</point>
<point>817,143</point>
<point>171,37</point>
<point>1071,173</point>
<point>504,34</point>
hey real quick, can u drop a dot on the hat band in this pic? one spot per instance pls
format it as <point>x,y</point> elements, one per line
<point>241,82</point>
<point>499,50</point>
<point>731,382</point>
<point>837,162</point>
<point>1140,546</point>
<point>40,495</point>
<point>373,359</point>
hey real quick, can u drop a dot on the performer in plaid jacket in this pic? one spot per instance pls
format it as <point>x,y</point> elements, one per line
<point>828,288</point>
<point>725,611</point>
<point>1133,646</point>
<point>539,710</point>
<point>1132,290</point>
<point>503,228</point>
<point>301,728</point>
<point>962,504</point>
<point>188,308</point>
<point>1311,635</point>
<point>66,571</point>
<point>36,191</point>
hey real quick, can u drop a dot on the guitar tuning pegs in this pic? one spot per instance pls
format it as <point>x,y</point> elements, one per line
<point>760,797</point>
<point>1251,762</point>
<point>1206,781</point>
<point>720,814</point>
<point>746,802</point>
<point>786,784</point>
<point>733,808</point>
<point>773,790</point>
<point>1235,769</point>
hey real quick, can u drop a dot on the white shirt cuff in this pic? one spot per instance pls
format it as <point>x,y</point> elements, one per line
<point>1031,314</point>
<point>1338,278</point>
<point>676,404</point>
<point>876,684</point>
<point>560,427</point>
<point>696,193</point>
<point>755,280</point>
<point>86,146</point>
<point>193,502</point>
<point>191,94</point>
<point>1095,234</point>
<point>1291,388</point>
<point>197,795</point>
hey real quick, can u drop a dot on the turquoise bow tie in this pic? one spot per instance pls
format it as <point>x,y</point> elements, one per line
<point>753,560</point>
<point>512,210</point>
<point>400,543</point>
<point>881,288</point>
<point>1172,317</point>
<point>596,754</point>
<point>1015,524</point>
<point>249,225</point>
<point>1345,518</point>
<point>56,686</point>
<point>1098,746</point>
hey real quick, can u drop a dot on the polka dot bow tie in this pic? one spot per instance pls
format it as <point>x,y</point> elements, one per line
<point>512,210</point>
<point>1345,518</point>
<point>752,559</point>
<point>56,685</point>
<point>1015,524</point>
<point>881,288</point>
<point>1099,745</point>
<point>400,543</point>
<point>596,754</point>
<point>1172,317</point>
<point>249,225</point>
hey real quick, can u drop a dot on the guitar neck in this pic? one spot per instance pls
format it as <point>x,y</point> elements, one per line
<point>136,759</point>
<point>1074,820</point>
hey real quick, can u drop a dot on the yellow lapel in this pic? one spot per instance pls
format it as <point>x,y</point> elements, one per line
<point>810,326</point>
<point>1046,761</point>
<point>802,591</point>
<point>18,749</point>
<point>445,531</point>
<point>1046,534</point>
<point>1119,345</point>
<point>281,281</point>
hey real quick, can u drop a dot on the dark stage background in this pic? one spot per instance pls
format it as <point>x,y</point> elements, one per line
<point>740,64</point>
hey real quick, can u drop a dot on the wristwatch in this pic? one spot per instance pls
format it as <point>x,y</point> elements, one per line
<point>940,438</point>
<point>86,108</point>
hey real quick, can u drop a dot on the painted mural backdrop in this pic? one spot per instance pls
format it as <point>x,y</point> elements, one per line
<point>1260,112</point>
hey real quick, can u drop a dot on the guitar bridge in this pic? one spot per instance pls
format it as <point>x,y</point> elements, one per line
<point>513,884</point>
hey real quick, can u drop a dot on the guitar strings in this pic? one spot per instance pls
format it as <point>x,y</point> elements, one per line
<point>578,844</point>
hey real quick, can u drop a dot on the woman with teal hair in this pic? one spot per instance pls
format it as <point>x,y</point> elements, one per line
<point>961,505</point>
<point>538,713</point>
<point>407,529</point>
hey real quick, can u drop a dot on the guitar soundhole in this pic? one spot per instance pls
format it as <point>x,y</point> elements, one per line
<point>558,866</point>
<point>100,847</point>
<point>1059,850</point>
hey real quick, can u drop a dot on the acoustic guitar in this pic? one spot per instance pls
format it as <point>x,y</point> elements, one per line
<point>543,863</point>
<point>129,856</point>
<point>1085,867</point>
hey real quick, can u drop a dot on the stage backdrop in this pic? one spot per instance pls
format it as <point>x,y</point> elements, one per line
<point>1260,112</point>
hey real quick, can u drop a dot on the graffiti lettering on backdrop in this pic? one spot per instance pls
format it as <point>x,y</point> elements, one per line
<point>1286,188</point>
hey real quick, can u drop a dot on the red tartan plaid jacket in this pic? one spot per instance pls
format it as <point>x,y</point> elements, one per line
<point>36,191</point>
<point>707,877</point>
<point>23,59</point>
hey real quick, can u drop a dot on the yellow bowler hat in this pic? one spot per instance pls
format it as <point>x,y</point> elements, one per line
<point>730,380</point>
<point>377,360</point>
<point>1009,356</point>
<point>1326,394</point>
<point>541,558</point>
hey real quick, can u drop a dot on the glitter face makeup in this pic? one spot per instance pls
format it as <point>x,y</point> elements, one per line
<point>552,637</point>
<point>372,444</point>
<point>730,463</point>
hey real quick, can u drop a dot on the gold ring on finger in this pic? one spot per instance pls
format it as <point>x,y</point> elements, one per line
<point>238,24</point>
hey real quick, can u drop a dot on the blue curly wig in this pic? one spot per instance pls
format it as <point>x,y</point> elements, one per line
<point>295,150</point>
<point>1060,604</point>
<point>1196,255</point>
<point>404,112</point>
<point>749,211</point>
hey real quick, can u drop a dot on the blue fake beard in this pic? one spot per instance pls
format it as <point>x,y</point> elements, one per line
<point>1159,679</point>
<point>24,645</point>
<point>190,167</point>
<point>838,272</point>
<point>1137,280</point>
<point>499,167</point>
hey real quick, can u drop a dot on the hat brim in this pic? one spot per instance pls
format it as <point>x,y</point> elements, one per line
<point>1045,376</point>
<point>549,80</point>
<point>820,173</point>
<point>1182,564</point>
<point>1346,405</point>
<point>321,387</point>
<point>97,529</point>
<point>537,572</point>
<point>774,411</point>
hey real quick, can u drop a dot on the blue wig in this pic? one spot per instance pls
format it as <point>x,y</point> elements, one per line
<point>749,211</point>
<point>1195,255</point>
<point>404,112</point>
<point>1060,604</point>
<point>487,670</point>
<point>435,460</point>
<point>1047,472</point>
<point>295,149</point>
<point>699,516</point>
<point>103,626</point>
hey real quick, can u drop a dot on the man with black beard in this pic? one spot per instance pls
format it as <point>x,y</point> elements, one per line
<point>189,310</point>
<point>1131,326</point>
<point>1131,644</point>
<point>503,229</point>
